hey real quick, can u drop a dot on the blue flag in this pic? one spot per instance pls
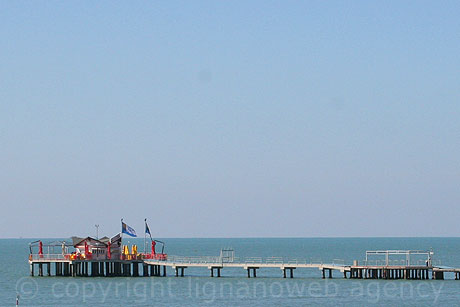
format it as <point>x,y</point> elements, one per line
<point>147,229</point>
<point>128,230</point>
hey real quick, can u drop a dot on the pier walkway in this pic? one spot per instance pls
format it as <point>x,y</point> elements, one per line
<point>251,264</point>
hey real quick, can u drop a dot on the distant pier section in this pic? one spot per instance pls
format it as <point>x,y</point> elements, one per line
<point>109,257</point>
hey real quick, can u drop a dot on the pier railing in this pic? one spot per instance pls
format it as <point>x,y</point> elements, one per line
<point>48,257</point>
<point>399,262</point>
<point>250,260</point>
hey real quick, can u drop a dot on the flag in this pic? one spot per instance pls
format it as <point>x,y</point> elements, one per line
<point>128,230</point>
<point>147,229</point>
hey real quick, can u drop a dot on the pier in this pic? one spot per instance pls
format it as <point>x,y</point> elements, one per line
<point>157,265</point>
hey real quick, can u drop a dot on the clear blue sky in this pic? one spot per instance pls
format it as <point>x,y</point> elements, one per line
<point>230,119</point>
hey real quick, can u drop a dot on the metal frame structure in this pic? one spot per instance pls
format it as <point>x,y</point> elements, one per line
<point>408,253</point>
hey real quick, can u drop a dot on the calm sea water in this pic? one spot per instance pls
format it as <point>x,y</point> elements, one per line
<point>234,288</point>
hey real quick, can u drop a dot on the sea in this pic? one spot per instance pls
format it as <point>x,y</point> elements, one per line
<point>234,288</point>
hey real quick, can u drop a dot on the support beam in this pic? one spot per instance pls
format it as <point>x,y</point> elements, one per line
<point>135,269</point>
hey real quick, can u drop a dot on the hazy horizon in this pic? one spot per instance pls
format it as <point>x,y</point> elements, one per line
<point>230,119</point>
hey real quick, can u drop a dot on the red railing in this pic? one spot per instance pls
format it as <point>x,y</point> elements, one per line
<point>74,256</point>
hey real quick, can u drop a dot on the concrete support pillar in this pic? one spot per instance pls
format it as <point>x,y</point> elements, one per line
<point>212,272</point>
<point>181,272</point>
<point>323,273</point>
<point>330,273</point>
<point>145,271</point>
<point>40,269</point>
<point>116,268</point>
<point>164,271</point>
<point>136,269</point>
<point>69,269</point>
<point>31,269</point>
<point>48,269</point>
<point>177,271</point>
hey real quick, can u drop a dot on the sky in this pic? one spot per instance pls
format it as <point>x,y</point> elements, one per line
<point>230,118</point>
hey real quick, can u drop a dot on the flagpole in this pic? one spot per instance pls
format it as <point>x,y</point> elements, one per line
<point>121,237</point>
<point>145,236</point>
